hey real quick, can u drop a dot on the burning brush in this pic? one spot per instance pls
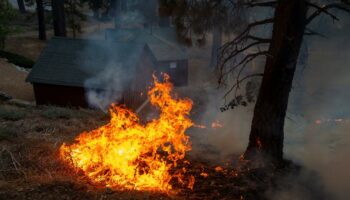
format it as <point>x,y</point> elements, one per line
<point>125,154</point>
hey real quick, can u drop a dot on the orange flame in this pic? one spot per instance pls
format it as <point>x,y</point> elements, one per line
<point>219,169</point>
<point>125,154</point>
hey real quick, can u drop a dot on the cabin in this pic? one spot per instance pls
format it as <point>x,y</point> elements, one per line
<point>171,57</point>
<point>69,68</point>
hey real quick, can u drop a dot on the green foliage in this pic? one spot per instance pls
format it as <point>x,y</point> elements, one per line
<point>17,59</point>
<point>11,114</point>
<point>7,14</point>
<point>53,112</point>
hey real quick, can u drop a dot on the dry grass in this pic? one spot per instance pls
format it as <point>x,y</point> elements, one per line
<point>12,115</point>
<point>30,167</point>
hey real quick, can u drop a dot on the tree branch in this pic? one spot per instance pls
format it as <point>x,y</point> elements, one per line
<point>324,9</point>
<point>247,59</point>
<point>261,4</point>
<point>239,81</point>
<point>310,32</point>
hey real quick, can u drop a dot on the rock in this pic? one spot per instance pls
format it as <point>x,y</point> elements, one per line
<point>22,103</point>
<point>4,96</point>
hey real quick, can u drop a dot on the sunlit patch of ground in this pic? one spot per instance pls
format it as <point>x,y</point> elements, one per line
<point>12,82</point>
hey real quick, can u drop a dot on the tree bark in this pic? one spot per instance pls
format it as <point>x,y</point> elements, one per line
<point>59,20</point>
<point>217,41</point>
<point>267,130</point>
<point>123,5</point>
<point>21,6</point>
<point>113,9</point>
<point>41,19</point>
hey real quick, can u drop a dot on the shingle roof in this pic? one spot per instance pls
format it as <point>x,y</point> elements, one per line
<point>72,61</point>
<point>162,41</point>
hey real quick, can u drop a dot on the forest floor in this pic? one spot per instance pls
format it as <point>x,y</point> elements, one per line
<point>30,167</point>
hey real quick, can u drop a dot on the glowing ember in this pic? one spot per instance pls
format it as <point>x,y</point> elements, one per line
<point>125,154</point>
<point>216,124</point>
<point>200,126</point>
<point>258,142</point>
<point>319,121</point>
<point>219,169</point>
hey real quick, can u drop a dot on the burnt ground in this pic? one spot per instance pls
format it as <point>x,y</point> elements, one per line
<point>30,168</point>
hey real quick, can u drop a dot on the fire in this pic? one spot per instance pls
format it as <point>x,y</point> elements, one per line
<point>125,154</point>
<point>339,120</point>
<point>219,169</point>
<point>205,175</point>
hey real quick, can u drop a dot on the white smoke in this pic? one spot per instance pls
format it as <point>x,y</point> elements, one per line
<point>109,85</point>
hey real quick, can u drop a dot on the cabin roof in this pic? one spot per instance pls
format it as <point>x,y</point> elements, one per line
<point>162,41</point>
<point>71,62</point>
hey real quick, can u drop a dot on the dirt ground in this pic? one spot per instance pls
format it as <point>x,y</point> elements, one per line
<point>13,82</point>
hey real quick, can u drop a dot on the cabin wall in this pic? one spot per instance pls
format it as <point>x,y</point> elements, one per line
<point>67,96</point>
<point>177,70</point>
<point>59,95</point>
<point>136,95</point>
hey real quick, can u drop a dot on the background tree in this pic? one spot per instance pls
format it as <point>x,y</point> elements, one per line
<point>289,25</point>
<point>7,14</point>
<point>40,9</point>
<point>75,15</point>
<point>149,12</point>
<point>21,6</point>
<point>194,19</point>
<point>41,19</point>
<point>59,19</point>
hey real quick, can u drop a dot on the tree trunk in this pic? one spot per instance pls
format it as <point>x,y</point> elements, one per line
<point>2,42</point>
<point>123,5</point>
<point>217,41</point>
<point>113,9</point>
<point>96,14</point>
<point>59,20</point>
<point>41,19</point>
<point>21,6</point>
<point>267,134</point>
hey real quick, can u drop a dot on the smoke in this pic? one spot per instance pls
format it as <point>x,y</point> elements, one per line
<point>110,68</point>
<point>105,87</point>
<point>319,115</point>
<point>230,135</point>
<point>317,124</point>
<point>110,83</point>
<point>131,19</point>
<point>315,137</point>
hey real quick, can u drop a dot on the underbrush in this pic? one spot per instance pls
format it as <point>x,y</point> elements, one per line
<point>53,112</point>
<point>17,59</point>
<point>11,114</point>
<point>7,133</point>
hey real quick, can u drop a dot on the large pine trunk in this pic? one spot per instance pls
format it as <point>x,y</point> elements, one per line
<point>59,19</point>
<point>267,130</point>
<point>41,19</point>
